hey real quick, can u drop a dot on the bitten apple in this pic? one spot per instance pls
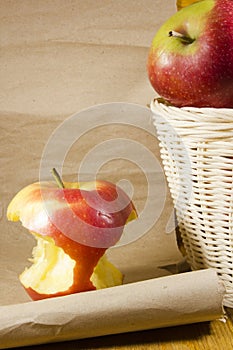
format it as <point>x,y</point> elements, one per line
<point>190,61</point>
<point>73,227</point>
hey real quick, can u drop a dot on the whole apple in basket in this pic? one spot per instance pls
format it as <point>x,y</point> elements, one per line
<point>73,224</point>
<point>190,62</point>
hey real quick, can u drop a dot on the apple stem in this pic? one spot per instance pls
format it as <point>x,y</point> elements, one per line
<point>57,178</point>
<point>182,37</point>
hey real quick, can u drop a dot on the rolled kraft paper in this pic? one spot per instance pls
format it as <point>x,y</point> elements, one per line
<point>162,302</point>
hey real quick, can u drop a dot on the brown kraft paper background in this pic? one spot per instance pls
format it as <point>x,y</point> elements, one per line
<point>60,59</point>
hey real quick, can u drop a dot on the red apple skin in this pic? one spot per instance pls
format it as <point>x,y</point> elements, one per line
<point>83,221</point>
<point>39,296</point>
<point>94,214</point>
<point>199,74</point>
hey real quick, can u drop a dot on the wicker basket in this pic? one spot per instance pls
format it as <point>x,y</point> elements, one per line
<point>196,148</point>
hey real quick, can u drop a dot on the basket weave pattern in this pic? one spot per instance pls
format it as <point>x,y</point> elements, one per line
<point>196,147</point>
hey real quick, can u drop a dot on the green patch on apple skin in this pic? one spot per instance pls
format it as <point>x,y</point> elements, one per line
<point>190,22</point>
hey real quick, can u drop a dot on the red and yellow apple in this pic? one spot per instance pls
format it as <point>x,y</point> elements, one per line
<point>73,226</point>
<point>190,62</point>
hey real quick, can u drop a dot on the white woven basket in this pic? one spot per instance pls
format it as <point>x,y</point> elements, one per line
<point>196,148</point>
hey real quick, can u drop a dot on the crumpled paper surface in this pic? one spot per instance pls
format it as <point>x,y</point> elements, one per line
<point>57,60</point>
<point>161,302</point>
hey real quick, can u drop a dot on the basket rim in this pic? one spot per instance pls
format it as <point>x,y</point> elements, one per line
<point>204,115</point>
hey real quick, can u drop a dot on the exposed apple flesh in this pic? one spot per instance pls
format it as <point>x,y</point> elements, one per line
<point>52,270</point>
<point>73,226</point>
<point>198,72</point>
